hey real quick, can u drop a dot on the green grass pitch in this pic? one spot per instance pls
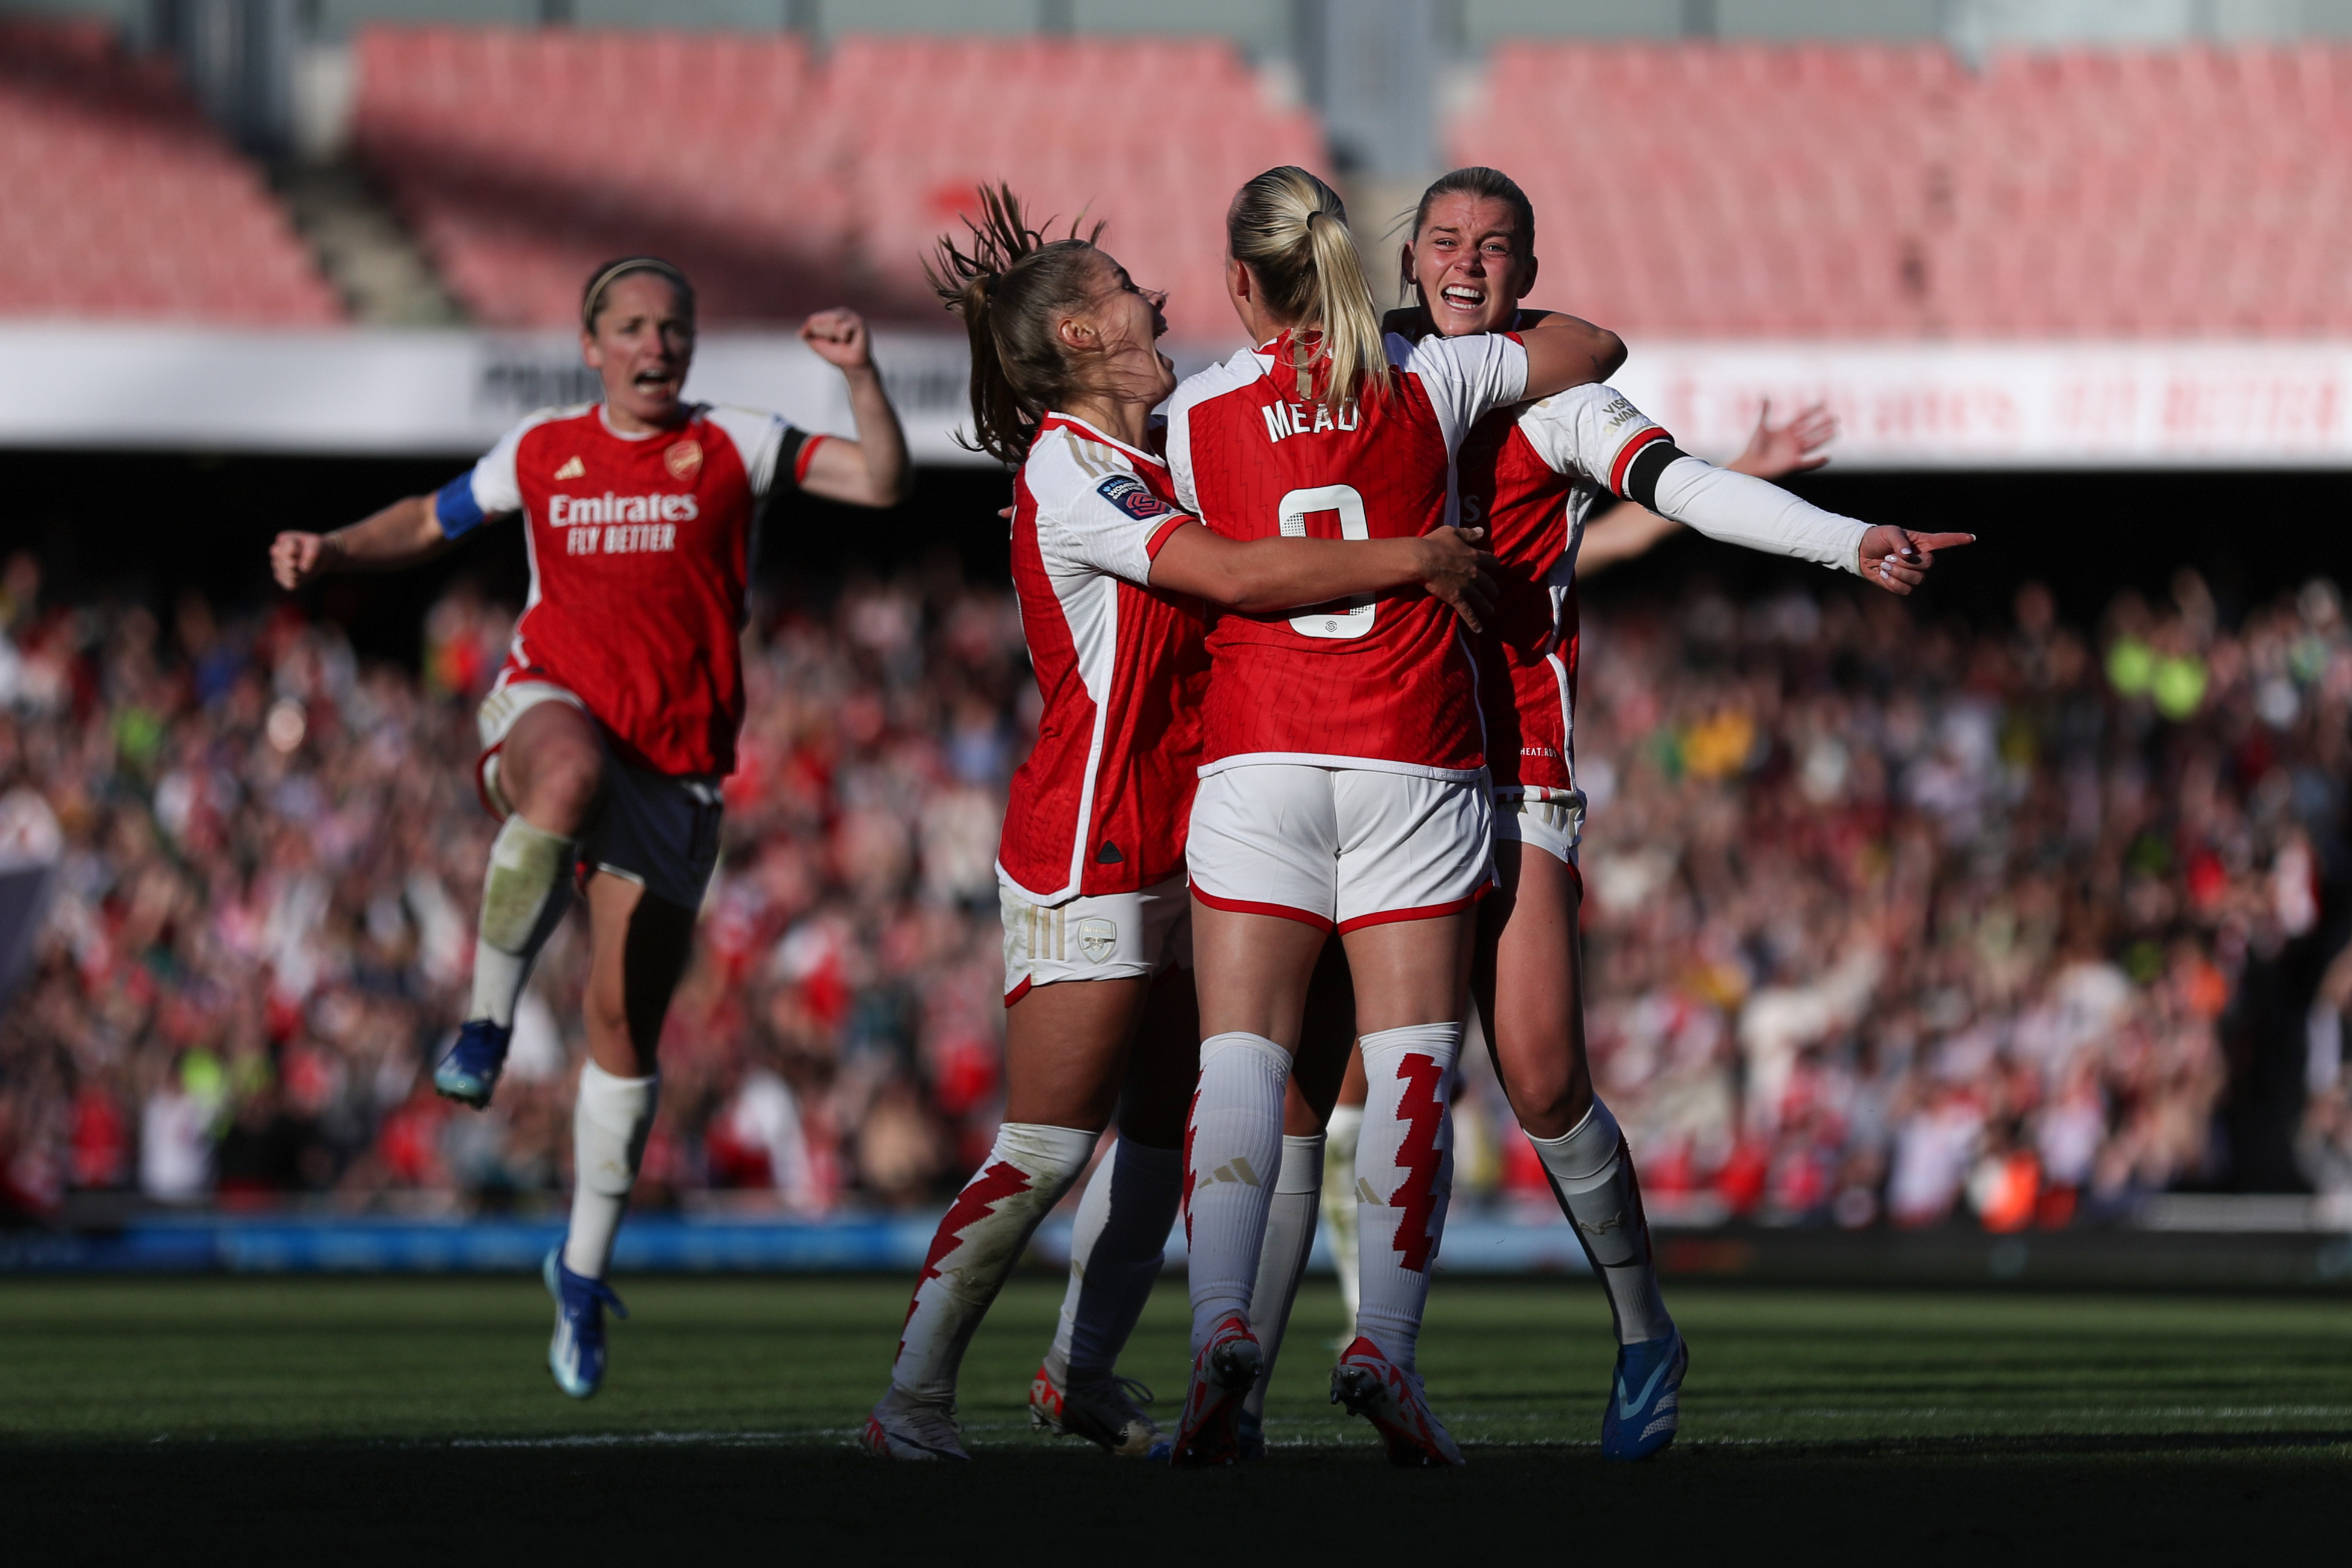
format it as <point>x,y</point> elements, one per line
<point>378,1419</point>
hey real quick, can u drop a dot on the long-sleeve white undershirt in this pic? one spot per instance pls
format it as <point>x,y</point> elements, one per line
<point>1740,509</point>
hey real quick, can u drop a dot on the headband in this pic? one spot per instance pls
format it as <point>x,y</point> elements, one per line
<point>620,269</point>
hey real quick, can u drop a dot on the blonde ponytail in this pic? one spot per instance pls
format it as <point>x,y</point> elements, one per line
<point>1290,229</point>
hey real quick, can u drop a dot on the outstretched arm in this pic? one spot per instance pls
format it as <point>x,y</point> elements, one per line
<point>1740,509</point>
<point>1258,575</point>
<point>402,534</point>
<point>873,470</point>
<point>1624,530</point>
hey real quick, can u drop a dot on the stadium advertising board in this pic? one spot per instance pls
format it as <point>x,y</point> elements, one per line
<point>1900,406</point>
<point>422,393</point>
<point>2091,405</point>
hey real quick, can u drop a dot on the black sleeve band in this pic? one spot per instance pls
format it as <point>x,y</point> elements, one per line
<point>788,457</point>
<point>1641,476</point>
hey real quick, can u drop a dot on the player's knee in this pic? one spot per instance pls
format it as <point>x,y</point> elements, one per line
<point>1549,1093</point>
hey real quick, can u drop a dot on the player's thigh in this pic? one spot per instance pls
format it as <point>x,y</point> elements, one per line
<point>1253,972</point>
<point>1065,1050</point>
<point>639,946</point>
<point>1527,977</point>
<point>1415,853</point>
<point>550,766</point>
<point>1164,1063</point>
<point>1261,852</point>
<point>1076,975</point>
<point>1327,1043</point>
<point>1409,971</point>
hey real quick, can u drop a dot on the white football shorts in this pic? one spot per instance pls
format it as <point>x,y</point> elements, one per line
<point>1340,847</point>
<point>1110,936</point>
<point>1552,820</point>
<point>496,721</point>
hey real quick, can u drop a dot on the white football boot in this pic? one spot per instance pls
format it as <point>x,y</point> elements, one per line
<point>1373,1386</point>
<point>904,1427</point>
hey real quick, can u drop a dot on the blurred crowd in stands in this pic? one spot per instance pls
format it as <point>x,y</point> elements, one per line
<point>1888,921</point>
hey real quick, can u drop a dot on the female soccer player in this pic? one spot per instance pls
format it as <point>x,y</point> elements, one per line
<point>615,715</point>
<point>1537,476</point>
<point>1343,785</point>
<point>1110,573</point>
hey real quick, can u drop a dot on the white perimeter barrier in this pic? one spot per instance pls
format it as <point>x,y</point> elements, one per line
<point>1901,405</point>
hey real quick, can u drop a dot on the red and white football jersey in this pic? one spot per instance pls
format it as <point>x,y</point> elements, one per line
<point>1385,682</point>
<point>640,547</point>
<point>1102,803</point>
<point>1532,476</point>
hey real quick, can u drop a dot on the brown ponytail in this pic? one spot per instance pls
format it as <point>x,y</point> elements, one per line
<point>1290,229</point>
<point>1008,285</point>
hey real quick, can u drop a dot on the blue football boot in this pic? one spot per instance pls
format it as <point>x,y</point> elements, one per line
<point>470,1070</point>
<point>1645,1405</point>
<point>576,1354</point>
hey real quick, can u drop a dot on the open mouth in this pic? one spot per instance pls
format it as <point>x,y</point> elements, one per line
<point>1462,297</point>
<point>655,383</point>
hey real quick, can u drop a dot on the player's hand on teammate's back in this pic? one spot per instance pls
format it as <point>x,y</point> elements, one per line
<point>297,558</point>
<point>1897,560</point>
<point>839,338</point>
<point>1460,573</point>
<point>1791,448</point>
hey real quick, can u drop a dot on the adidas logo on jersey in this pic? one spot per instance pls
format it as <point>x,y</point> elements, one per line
<point>573,469</point>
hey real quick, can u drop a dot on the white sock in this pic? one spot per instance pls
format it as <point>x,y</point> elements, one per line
<point>983,1235</point>
<point>609,1123</point>
<point>1592,1176</point>
<point>1342,1133</point>
<point>1116,1251</point>
<point>525,890</point>
<point>1404,1176</point>
<point>1289,1238</point>
<point>1233,1147</point>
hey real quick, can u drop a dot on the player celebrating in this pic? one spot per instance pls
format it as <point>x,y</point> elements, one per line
<point>1343,785</point>
<point>615,715</point>
<point>1111,572</point>
<point>1537,474</point>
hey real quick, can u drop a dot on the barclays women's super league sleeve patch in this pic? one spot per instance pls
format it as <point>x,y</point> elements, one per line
<point>1133,496</point>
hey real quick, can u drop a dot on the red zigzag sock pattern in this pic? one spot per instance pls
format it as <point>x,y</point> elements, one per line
<point>1416,1196</point>
<point>975,1203</point>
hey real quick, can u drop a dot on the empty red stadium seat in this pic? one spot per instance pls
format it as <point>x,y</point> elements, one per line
<point>1874,191</point>
<point>782,187</point>
<point>122,201</point>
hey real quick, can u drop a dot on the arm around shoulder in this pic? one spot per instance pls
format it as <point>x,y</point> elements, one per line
<point>1566,352</point>
<point>1257,576</point>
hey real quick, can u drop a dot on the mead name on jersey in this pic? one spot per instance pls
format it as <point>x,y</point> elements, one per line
<point>1283,420</point>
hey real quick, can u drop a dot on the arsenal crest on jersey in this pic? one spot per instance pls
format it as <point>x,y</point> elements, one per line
<point>683,460</point>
